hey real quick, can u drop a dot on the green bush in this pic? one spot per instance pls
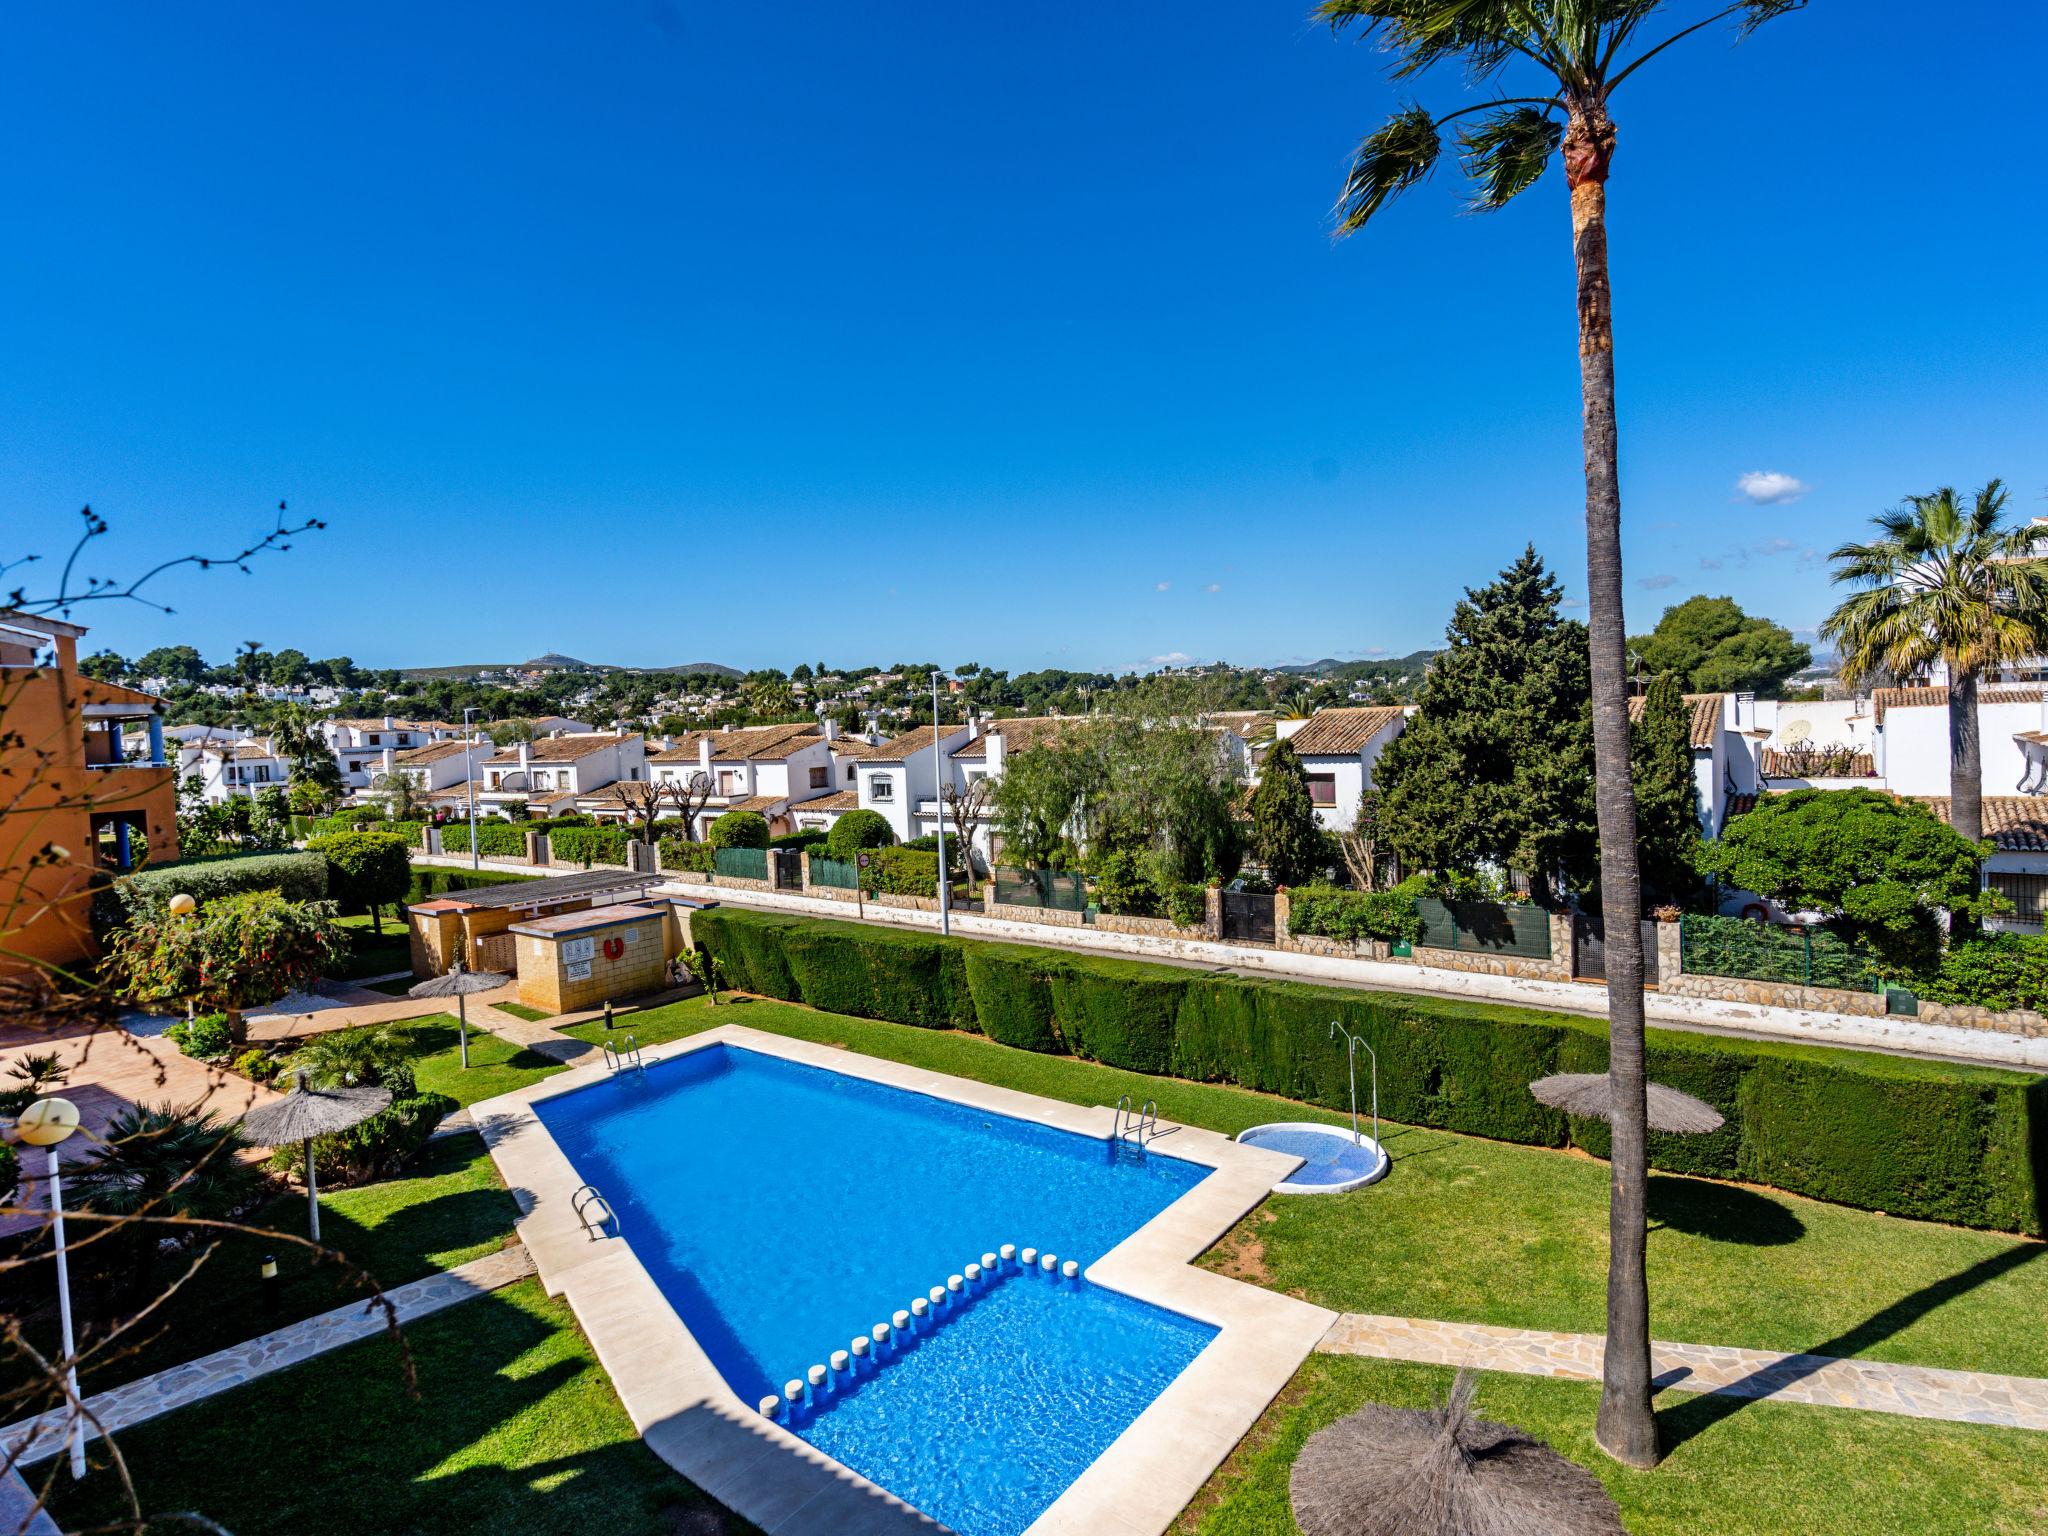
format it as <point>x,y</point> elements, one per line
<point>856,832</point>
<point>1352,915</point>
<point>257,1066</point>
<point>206,1037</point>
<point>1121,886</point>
<point>1921,1139</point>
<point>738,829</point>
<point>295,876</point>
<point>495,839</point>
<point>2004,971</point>
<point>901,872</point>
<point>587,845</point>
<point>1186,906</point>
<point>800,842</point>
<point>429,881</point>
<point>678,852</point>
<point>365,870</point>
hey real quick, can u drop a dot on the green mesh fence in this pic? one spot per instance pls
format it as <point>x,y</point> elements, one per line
<point>1062,889</point>
<point>1806,957</point>
<point>1485,927</point>
<point>841,874</point>
<point>743,863</point>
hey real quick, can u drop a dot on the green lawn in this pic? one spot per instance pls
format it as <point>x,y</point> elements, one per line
<point>514,1429</point>
<point>447,1209</point>
<point>1487,1231</point>
<point>375,954</point>
<point>495,1066</point>
<point>521,1011</point>
<point>1762,1470</point>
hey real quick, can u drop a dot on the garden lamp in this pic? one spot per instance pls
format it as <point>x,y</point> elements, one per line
<point>182,905</point>
<point>47,1123</point>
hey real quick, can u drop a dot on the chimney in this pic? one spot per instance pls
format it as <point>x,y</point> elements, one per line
<point>973,727</point>
<point>525,757</point>
<point>997,753</point>
<point>389,722</point>
<point>387,759</point>
<point>831,730</point>
<point>704,753</point>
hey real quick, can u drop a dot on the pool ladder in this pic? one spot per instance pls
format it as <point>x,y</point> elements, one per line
<point>589,1199</point>
<point>618,1059</point>
<point>1139,1128</point>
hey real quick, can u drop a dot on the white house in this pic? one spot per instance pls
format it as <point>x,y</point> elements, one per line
<point>1727,740</point>
<point>1911,739</point>
<point>549,774</point>
<point>762,768</point>
<point>359,745</point>
<point>226,769</point>
<point>1338,748</point>
<point>901,778</point>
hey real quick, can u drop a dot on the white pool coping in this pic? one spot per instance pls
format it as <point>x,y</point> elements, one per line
<point>689,1417</point>
<point>1288,1186</point>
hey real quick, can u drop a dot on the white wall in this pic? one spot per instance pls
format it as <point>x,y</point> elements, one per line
<point>1914,744</point>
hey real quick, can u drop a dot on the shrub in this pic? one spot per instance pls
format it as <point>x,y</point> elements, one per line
<point>678,852</point>
<point>1121,886</point>
<point>901,872</point>
<point>257,1066</point>
<point>1915,1138</point>
<point>366,871</point>
<point>205,1038</point>
<point>495,839</point>
<point>587,845</point>
<point>2003,972</point>
<point>295,876</point>
<point>738,829</point>
<point>389,1139</point>
<point>856,832</point>
<point>1187,906</point>
<point>429,881</point>
<point>236,952</point>
<point>800,842</point>
<point>1352,915</point>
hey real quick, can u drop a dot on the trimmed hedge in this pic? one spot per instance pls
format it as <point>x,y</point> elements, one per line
<point>678,852</point>
<point>1967,1145</point>
<point>495,838</point>
<point>588,845</point>
<point>1352,915</point>
<point>901,871</point>
<point>296,876</point>
<point>429,881</point>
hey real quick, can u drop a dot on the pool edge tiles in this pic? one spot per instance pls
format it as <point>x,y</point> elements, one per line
<point>762,1471</point>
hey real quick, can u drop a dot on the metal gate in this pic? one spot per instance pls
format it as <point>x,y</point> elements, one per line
<point>1589,948</point>
<point>789,870</point>
<point>498,952</point>
<point>1247,917</point>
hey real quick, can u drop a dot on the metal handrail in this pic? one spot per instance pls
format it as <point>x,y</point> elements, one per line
<point>618,1060</point>
<point>1123,1108</point>
<point>595,1197</point>
<point>1352,1043</point>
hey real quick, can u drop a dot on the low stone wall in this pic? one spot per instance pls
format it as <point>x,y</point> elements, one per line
<point>909,903</point>
<point>1335,949</point>
<point>2020,1021</point>
<point>1158,927</point>
<point>740,883</point>
<point>1556,968</point>
<point>1773,994</point>
<point>679,877</point>
<point>832,893</point>
<point>1052,917</point>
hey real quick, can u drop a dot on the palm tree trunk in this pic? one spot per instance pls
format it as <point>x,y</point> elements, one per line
<point>1965,769</point>
<point>1627,1428</point>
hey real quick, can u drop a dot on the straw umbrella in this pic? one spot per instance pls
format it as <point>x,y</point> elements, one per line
<point>459,983</point>
<point>1401,1471</point>
<point>307,1112</point>
<point>1592,1094</point>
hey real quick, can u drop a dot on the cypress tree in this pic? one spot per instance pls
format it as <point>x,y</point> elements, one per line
<point>1284,831</point>
<point>1667,800</point>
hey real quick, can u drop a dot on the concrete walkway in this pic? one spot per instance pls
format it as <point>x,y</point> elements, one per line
<point>37,1439</point>
<point>1920,1392</point>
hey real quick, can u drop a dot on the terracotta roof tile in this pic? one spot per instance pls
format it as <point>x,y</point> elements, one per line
<point>1937,698</point>
<point>1019,735</point>
<point>1818,763</point>
<point>2013,823</point>
<point>1343,732</point>
<point>845,800</point>
<point>434,751</point>
<point>758,743</point>
<point>909,744</point>
<point>558,749</point>
<point>1706,717</point>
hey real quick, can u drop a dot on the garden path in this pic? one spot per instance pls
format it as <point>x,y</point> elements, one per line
<point>1970,1397</point>
<point>182,1385</point>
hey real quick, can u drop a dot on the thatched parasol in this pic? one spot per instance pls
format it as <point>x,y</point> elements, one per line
<point>305,1113</point>
<point>458,984</point>
<point>1402,1471</point>
<point>1592,1094</point>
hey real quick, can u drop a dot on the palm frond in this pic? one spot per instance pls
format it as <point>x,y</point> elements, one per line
<point>1507,152</point>
<point>1387,163</point>
<point>1482,35</point>
<point>1756,12</point>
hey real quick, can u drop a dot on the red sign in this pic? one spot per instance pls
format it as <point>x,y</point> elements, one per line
<point>613,948</point>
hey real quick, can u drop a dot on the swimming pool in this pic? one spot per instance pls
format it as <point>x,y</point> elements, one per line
<point>784,1209</point>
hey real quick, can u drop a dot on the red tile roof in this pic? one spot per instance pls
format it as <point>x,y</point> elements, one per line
<point>2013,823</point>
<point>1343,732</point>
<point>1937,698</point>
<point>1706,717</point>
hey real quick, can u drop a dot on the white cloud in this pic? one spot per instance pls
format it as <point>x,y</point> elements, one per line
<point>1162,586</point>
<point>1573,602</point>
<point>1170,659</point>
<point>1770,487</point>
<point>1657,583</point>
<point>1214,586</point>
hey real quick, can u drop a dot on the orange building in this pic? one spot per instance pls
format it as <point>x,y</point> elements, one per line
<point>74,790</point>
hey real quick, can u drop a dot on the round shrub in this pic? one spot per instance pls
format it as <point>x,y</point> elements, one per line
<point>857,831</point>
<point>738,829</point>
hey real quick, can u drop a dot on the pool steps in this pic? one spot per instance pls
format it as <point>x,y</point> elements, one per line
<point>1132,1128</point>
<point>589,1199</point>
<point>932,1309</point>
<point>618,1058</point>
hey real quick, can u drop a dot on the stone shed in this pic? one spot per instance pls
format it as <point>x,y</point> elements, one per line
<point>475,925</point>
<point>577,960</point>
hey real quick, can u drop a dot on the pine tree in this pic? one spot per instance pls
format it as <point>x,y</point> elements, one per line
<point>1284,831</point>
<point>1495,767</point>
<point>1667,801</point>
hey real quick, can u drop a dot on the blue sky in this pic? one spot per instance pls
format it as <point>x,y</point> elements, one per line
<point>658,332</point>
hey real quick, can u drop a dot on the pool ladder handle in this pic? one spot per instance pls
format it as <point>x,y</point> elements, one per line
<point>588,1197</point>
<point>1135,1128</point>
<point>618,1060</point>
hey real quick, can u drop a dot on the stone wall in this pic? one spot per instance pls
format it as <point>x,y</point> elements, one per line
<point>2020,1021</point>
<point>1773,994</point>
<point>1158,927</point>
<point>1335,949</point>
<point>1522,966</point>
<point>1053,917</point>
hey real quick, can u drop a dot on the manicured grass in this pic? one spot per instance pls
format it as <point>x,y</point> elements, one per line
<point>375,954</point>
<point>447,1209</point>
<point>1482,1231</point>
<point>515,1428</point>
<point>495,1066</point>
<point>395,988</point>
<point>1757,1469</point>
<point>521,1011</point>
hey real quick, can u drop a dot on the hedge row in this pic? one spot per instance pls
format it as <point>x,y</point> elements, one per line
<point>298,876</point>
<point>1352,915</point>
<point>588,845</point>
<point>1944,1143</point>
<point>495,839</point>
<point>429,881</point>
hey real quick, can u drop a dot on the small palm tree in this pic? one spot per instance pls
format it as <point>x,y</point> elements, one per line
<point>1575,54</point>
<point>160,1160</point>
<point>1946,584</point>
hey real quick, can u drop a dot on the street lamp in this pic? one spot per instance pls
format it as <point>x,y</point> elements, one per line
<point>46,1123</point>
<point>469,792</point>
<point>938,784</point>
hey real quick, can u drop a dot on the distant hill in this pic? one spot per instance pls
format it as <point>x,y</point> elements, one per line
<point>555,661</point>
<point>1412,665</point>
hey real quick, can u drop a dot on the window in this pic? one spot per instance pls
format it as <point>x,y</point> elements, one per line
<point>375,739</point>
<point>849,773</point>
<point>821,778</point>
<point>542,781</point>
<point>354,766</point>
<point>2027,893</point>
<point>881,787</point>
<point>1322,788</point>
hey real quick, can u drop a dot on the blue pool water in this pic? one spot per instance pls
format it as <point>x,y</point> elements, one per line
<point>783,1209</point>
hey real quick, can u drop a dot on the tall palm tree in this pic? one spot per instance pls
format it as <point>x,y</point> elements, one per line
<point>1947,584</point>
<point>1574,54</point>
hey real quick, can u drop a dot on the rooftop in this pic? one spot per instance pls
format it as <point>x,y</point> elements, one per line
<point>590,917</point>
<point>2013,823</point>
<point>1706,716</point>
<point>1019,735</point>
<point>1937,698</point>
<point>768,743</point>
<point>432,752</point>
<point>549,892</point>
<point>1343,732</point>
<point>557,749</point>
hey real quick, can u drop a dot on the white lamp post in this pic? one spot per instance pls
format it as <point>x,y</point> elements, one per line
<point>469,768</point>
<point>938,784</point>
<point>46,1123</point>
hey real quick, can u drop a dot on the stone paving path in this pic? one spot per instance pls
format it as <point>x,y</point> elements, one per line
<point>1921,1392</point>
<point>226,1369</point>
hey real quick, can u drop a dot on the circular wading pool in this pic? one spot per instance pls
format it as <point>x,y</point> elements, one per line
<point>1336,1160</point>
